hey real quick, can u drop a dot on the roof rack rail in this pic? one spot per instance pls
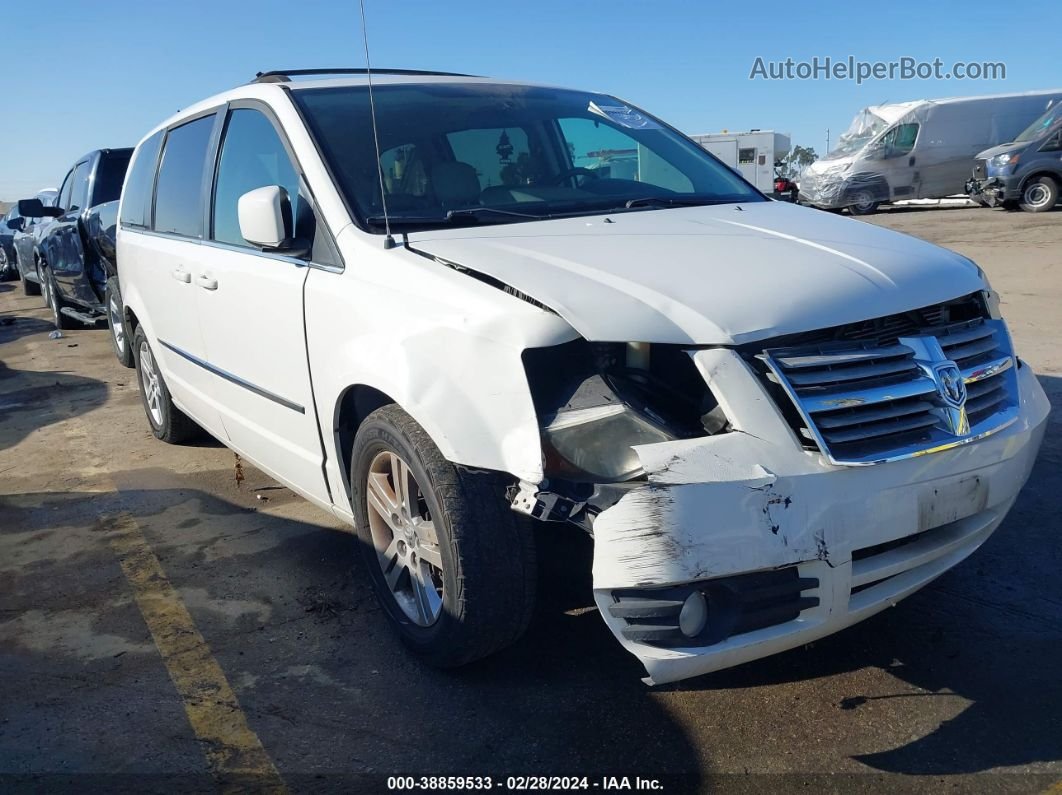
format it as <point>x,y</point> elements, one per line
<point>285,75</point>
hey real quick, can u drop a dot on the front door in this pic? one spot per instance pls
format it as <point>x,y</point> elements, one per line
<point>250,305</point>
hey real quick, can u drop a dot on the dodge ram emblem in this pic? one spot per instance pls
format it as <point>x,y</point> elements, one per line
<point>950,384</point>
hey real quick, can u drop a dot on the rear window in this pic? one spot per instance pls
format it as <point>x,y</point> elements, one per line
<point>136,195</point>
<point>109,175</point>
<point>179,191</point>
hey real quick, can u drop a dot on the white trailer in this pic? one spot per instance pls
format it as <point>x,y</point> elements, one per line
<point>754,153</point>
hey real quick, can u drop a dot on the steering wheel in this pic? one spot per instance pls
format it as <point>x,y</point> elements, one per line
<point>578,171</point>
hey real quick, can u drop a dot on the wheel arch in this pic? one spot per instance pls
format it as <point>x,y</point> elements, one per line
<point>1042,172</point>
<point>356,403</point>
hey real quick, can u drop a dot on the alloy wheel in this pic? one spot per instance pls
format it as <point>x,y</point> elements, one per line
<point>149,380</point>
<point>405,538</point>
<point>117,326</point>
<point>49,295</point>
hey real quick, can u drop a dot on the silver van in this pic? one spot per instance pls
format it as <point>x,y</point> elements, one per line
<point>916,150</point>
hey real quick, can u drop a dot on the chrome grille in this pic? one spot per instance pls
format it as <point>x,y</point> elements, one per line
<point>862,402</point>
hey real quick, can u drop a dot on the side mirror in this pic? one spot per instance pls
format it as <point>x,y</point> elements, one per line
<point>265,217</point>
<point>17,224</point>
<point>34,208</point>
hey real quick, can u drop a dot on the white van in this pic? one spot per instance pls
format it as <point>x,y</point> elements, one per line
<point>431,321</point>
<point>916,150</point>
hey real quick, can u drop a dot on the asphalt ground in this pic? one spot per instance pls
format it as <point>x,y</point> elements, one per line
<point>166,627</point>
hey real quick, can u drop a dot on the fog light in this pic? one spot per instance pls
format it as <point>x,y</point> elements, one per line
<point>693,617</point>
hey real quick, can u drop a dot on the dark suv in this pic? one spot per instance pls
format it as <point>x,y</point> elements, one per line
<point>69,262</point>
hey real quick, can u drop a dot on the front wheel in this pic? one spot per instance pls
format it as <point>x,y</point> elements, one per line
<point>450,564</point>
<point>120,343</point>
<point>168,422</point>
<point>1039,195</point>
<point>863,203</point>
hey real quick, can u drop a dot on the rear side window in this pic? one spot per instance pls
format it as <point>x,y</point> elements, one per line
<point>252,156</point>
<point>109,175</point>
<point>136,196</point>
<point>179,192</point>
<point>79,192</point>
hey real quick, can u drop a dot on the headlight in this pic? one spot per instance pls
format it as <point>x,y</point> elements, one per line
<point>1008,159</point>
<point>597,401</point>
<point>598,441</point>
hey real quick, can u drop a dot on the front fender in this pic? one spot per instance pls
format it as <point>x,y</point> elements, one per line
<point>441,344</point>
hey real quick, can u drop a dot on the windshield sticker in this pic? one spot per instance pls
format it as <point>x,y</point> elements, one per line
<point>624,116</point>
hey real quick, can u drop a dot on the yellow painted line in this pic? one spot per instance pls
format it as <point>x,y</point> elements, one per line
<point>234,752</point>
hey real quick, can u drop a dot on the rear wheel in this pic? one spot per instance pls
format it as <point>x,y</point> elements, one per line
<point>450,564</point>
<point>53,301</point>
<point>168,422</point>
<point>120,343</point>
<point>1039,195</point>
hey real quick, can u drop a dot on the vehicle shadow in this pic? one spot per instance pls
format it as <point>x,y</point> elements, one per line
<point>15,327</point>
<point>292,621</point>
<point>31,407</point>
<point>989,632</point>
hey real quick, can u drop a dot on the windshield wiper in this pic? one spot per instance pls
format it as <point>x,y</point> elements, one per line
<point>451,216</point>
<point>476,212</point>
<point>674,201</point>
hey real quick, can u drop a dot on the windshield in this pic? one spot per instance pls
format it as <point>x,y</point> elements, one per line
<point>864,128</point>
<point>1040,127</point>
<point>485,153</point>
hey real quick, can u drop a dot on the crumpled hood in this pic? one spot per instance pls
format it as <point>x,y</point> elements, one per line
<point>709,275</point>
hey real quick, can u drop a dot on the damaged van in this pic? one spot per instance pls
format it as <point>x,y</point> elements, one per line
<point>445,308</point>
<point>915,150</point>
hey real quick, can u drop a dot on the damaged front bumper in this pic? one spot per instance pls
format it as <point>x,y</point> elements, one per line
<point>994,191</point>
<point>784,547</point>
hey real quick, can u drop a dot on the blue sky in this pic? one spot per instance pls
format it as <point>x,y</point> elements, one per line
<point>86,75</point>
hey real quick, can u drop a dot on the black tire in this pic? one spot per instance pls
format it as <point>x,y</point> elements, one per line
<point>54,302</point>
<point>28,287</point>
<point>117,324</point>
<point>488,556</point>
<point>171,425</point>
<point>1039,195</point>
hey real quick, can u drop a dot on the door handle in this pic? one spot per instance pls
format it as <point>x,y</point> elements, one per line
<point>206,282</point>
<point>181,275</point>
<point>911,161</point>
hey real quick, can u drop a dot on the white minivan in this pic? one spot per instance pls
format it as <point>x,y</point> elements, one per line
<point>445,308</point>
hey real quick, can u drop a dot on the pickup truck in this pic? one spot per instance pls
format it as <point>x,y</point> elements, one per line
<point>455,323</point>
<point>69,262</point>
